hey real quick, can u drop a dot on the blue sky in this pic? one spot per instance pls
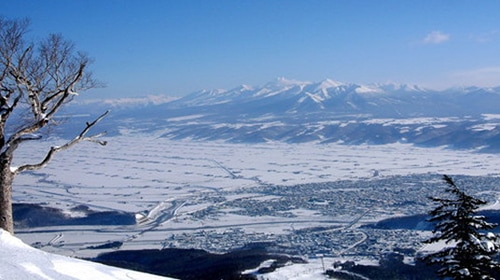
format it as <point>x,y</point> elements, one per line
<point>175,47</point>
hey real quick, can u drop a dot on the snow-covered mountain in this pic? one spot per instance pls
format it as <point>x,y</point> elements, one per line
<point>20,261</point>
<point>336,98</point>
<point>326,111</point>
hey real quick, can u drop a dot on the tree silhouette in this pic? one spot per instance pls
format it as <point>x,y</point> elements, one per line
<point>36,81</point>
<point>469,249</point>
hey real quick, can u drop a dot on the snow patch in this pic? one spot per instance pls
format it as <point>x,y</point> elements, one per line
<point>185,118</point>
<point>368,89</point>
<point>20,261</point>
<point>485,127</point>
<point>490,117</point>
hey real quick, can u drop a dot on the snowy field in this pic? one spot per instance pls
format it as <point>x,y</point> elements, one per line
<point>167,182</point>
<point>130,166</point>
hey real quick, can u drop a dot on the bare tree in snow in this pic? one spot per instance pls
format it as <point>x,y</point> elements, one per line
<point>36,81</point>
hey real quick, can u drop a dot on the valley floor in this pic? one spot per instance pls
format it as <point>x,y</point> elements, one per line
<point>302,199</point>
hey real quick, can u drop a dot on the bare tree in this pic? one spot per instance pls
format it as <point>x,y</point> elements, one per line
<point>36,81</point>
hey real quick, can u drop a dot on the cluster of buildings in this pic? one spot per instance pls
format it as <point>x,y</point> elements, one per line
<point>332,219</point>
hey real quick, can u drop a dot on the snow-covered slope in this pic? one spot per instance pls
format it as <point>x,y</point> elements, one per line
<point>19,261</point>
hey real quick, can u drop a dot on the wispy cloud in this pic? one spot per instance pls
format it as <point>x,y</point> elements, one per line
<point>485,37</point>
<point>486,77</point>
<point>481,77</point>
<point>436,37</point>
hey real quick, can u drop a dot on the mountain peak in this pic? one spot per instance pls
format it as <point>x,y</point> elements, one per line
<point>328,83</point>
<point>284,82</point>
<point>242,88</point>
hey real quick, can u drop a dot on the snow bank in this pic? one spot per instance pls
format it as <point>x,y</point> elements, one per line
<point>20,261</point>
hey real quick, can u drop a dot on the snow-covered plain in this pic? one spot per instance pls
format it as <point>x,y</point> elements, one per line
<point>132,162</point>
<point>22,262</point>
<point>165,181</point>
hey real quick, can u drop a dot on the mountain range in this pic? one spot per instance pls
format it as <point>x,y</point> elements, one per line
<point>322,112</point>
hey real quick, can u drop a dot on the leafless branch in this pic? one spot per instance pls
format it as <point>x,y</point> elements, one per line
<point>36,80</point>
<point>81,137</point>
<point>43,78</point>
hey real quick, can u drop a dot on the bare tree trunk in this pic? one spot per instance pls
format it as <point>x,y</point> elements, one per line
<point>35,82</point>
<point>6,178</point>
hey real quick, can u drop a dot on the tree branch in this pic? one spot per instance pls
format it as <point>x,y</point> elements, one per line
<point>63,94</point>
<point>81,137</point>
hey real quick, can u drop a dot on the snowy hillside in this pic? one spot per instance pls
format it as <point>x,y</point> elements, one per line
<point>20,261</point>
<point>325,112</point>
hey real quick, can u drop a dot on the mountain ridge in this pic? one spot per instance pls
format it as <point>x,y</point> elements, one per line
<point>331,94</point>
<point>324,112</point>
